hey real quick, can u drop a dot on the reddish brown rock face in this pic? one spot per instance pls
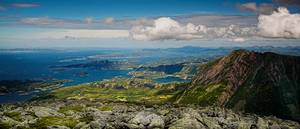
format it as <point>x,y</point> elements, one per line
<point>255,81</point>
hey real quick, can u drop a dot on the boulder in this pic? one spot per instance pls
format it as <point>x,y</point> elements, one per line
<point>80,125</point>
<point>57,127</point>
<point>187,123</point>
<point>147,120</point>
<point>8,121</point>
<point>45,111</point>
<point>98,124</point>
<point>97,114</point>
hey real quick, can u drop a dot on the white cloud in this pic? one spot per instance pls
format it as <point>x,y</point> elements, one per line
<point>239,40</point>
<point>166,28</point>
<point>280,24</point>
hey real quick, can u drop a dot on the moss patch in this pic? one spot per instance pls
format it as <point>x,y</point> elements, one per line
<point>14,115</point>
<point>75,108</point>
<point>42,123</point>
<point>86,119</point>
<point>5,125</point>
<point>106,108</point>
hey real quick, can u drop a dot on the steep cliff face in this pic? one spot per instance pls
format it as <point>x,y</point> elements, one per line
<point>263,83</point>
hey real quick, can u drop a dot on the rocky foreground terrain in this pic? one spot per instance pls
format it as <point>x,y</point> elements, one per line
<point>85,114</point>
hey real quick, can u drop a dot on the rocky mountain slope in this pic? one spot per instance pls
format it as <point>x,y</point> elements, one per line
<point>262,83</point>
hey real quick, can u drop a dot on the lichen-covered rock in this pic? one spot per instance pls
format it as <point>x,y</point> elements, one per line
<point>57,127</point>
<point>45,111</point>
<point>98,124</point>
<point>80,125</point>
<point>187,123</point>
<point>147,120</point>
<point>6,121</point>
<point>97,114</point>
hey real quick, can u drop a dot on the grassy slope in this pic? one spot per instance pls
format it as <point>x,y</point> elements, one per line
<point>139,95</point>
<point>202,95</point>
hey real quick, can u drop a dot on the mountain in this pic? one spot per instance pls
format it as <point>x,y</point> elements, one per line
<point>261,83</point>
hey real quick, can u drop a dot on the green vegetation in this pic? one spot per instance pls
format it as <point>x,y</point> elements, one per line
<point>210,64</point>
<point>124,83</point>
<point>14,115</point>
<point>139,95</point>
<point>106,108</point>
<point>202,95</point>
<point>75,108</point>
<point>86,119</point>
<point>5,125</point>
<point>148,74</point>
<point>42,123</point>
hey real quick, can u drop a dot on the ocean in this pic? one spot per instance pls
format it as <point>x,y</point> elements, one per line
<point>40,64</point>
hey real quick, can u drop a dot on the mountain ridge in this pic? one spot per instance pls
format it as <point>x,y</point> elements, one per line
<point>263,83</point>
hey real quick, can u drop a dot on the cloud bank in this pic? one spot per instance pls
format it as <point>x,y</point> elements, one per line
<point>280,24</point>
<point>166,28</point>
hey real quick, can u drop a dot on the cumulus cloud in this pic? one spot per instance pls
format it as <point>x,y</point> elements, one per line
<point>166,28</point>
<point>217,20</point>
<point>25,5</point>
<point>280,24</point>
<point>253,7</point>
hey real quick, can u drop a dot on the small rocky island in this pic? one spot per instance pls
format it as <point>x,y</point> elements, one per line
<point>25,86</point>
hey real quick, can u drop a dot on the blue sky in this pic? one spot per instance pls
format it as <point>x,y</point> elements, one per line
<point>59,23</point>
<point>123,8</point>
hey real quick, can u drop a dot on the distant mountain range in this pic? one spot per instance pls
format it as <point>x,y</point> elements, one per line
<point>261,83</point>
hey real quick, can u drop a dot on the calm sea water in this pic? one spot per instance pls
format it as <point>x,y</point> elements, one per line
<point>36,65</point>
